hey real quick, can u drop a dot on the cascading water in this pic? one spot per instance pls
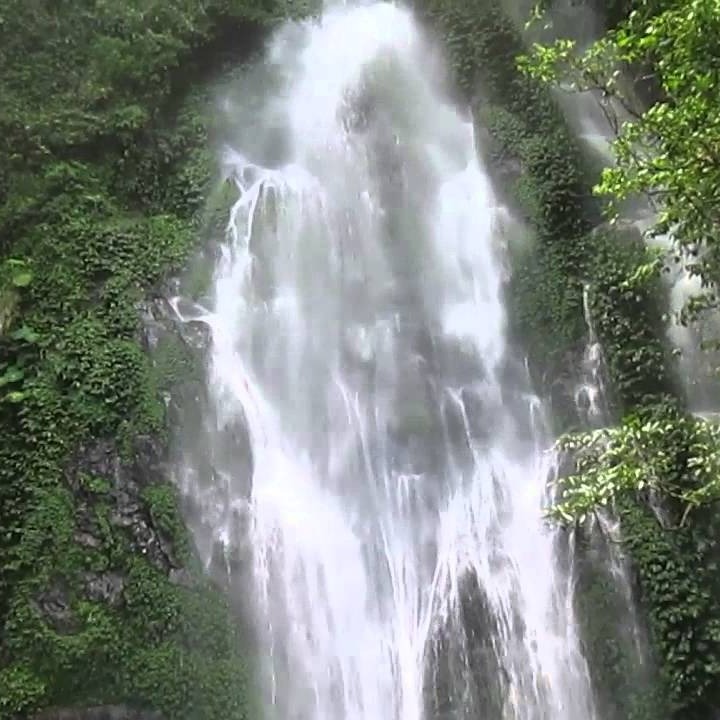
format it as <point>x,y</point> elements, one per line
<point>596,120</point>
<point>401,565</point>
<point>590,393</point>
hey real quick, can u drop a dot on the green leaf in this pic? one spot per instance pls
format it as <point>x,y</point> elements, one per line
<point>22,279</point>
<point>16,396</point>
<point>13,374</point>
<point>25,334</point>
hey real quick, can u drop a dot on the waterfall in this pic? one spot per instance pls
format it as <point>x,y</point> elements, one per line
<point>377,432</point>
<point>591,392</point>
<point>595,120</point>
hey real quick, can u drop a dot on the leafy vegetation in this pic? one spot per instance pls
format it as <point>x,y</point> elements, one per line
<point>666,147</point>
<point>678,580</point>
<point>641,454</point>
<point>655,72</point>
<point>621,662</point>
<point>104,167</point>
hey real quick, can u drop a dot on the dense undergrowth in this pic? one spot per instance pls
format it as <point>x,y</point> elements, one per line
<point>104,166</point>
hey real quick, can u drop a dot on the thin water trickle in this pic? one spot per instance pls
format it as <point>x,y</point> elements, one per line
<point>591,392</point>
<point>358,334</point>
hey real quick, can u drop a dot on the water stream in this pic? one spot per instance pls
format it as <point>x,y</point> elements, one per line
<point>383,439</point>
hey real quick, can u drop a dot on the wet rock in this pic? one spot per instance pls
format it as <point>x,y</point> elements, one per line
<point>465,647</point>
<point>98,459</point>
<point>628,230</point>
<point>566,464</point>
<point>455,430</point>
<point>179,320</point>
<point>177,339</point>
<point>508,169</point>
<point>54,605</point>
<point>146,540</point>
<point>149,464</point>
<point>458,360</point>
<point>232,459</point>
<point>198,335</point>
<point>182,577</point>
<point>127,510</point>
<point>88,540</point>
<point>416,419</point>
<point>157,321</point>
<point>105,588</point>
<point>559,383</point>
<point>87,530</point>
<point>104,712</point>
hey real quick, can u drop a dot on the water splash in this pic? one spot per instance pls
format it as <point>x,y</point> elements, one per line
<point>397,474</point>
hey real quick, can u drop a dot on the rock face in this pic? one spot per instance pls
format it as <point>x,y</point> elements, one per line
<point>54,605</point>
<point>104,587</point>
<point>105,712</point>
<point>125,481</point>
<point>99,475</point>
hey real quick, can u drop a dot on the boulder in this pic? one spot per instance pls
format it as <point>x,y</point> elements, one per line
<point>55,607</point>
<point>104,587</point>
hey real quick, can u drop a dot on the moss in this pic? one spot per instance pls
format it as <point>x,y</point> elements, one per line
<point>94,484</point>
<point>163,504</point>
<point>677,572</point>
<point>621,661</point>
<point>8,303</point>
<point>627,320</point>
<point>175,362</point>
<point>197,282</point>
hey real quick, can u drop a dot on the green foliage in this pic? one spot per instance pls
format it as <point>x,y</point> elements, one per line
<point>620,661</point>
<point>546,290</point>
<point>661,453</point>
<point>104,169</point>
<point>546,293</point>
<point>16,272</point>
<point>678,580</point>
<point>76,75</point>
<point>20,690</point>
<point>624,297</point>
<point>163,504</point>
<point>174,363</point>
<point>656,449</point>
<point>667,150</point>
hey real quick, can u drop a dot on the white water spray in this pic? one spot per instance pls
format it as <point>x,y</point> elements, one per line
<point>397,453</point>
